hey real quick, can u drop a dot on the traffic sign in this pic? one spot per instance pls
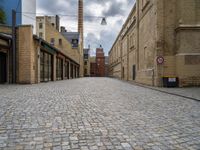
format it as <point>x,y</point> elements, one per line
<point>160,60</point>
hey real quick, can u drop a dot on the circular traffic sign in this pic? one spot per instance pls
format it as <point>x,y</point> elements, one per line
<point>160,60</point>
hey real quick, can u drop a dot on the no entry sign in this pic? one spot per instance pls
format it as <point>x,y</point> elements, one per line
<point>160,60</point>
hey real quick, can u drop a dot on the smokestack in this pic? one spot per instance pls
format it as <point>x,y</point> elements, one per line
<point>80,30</point>
<point>80,18</point>
<point>62,29</point>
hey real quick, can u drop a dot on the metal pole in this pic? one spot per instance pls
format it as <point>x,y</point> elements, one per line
<point>14,45</point>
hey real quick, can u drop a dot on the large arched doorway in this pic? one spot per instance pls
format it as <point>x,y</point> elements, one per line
<point>3,70</point>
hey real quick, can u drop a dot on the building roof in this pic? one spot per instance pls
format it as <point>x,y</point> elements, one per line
<point>126,22</point>
<point>70,35</point>
<point>6,36</point>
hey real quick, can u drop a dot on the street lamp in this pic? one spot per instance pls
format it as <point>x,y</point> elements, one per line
<point>103,21</point>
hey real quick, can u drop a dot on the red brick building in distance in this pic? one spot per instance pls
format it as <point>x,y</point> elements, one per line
<point>100,61</point>
<point>98,66</point>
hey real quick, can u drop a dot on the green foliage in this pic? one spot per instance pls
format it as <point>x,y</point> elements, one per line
<point>2,16</point>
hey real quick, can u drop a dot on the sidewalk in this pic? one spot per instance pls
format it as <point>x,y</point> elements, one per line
<point>189,92</point>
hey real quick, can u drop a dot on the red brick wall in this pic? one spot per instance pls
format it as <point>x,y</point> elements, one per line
<point>100,61</point>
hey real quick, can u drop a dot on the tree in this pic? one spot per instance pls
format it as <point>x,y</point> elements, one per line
<point>2,16</point>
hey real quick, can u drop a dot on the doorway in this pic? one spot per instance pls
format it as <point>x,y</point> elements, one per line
<point>72,71</point>
<point>134,72</point>
<point>3,70</point>
<point>46,66</point>
<point>67,69</point>
<point>59,69</point>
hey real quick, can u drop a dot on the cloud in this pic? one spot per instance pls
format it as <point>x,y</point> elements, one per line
<point>115,11</point>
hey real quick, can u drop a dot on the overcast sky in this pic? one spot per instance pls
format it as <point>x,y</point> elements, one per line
<point>116,12</point>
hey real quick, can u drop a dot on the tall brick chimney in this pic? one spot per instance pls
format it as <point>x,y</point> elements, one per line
<point>80,17</point>
<point>80,30</point>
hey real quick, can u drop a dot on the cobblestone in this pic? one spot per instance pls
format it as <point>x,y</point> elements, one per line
<point>96,113</point>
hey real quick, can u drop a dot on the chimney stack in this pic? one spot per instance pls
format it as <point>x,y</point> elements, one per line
<point>80,18</point>
<point>62,29</point>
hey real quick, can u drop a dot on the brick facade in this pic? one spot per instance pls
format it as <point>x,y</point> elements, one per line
<point>97,64</point>
<point>158,28</point>
<point>28,61</point>
<point>100,62</point>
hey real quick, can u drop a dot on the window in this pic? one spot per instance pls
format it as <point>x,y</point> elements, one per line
<point>53,24</point>
<point>41,35</point>
<point>86,56</point>
<point>46,63</point>
<point>52,41</point>
<point>74,43</point>
<point>85,63</point>
<point>40,25</point>
<point>60,41</point>
<point>59,68</point>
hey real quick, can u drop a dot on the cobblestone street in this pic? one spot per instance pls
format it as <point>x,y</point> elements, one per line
<point>96,113</point>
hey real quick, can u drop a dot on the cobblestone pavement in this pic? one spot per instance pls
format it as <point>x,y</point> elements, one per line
<point>96,113</point>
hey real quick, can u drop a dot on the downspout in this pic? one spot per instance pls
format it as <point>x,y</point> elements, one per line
<point>138,20</point>
<point>38,61</point>
<point>128,57</point>
<point>14,46</point>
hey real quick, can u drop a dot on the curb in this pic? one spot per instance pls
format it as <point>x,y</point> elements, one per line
<point>155,89</point>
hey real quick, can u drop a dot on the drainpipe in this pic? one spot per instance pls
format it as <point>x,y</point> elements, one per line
<point>38,61</point>
<point>138,21</point>
<point>14,45</point>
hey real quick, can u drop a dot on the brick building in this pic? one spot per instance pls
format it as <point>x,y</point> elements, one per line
<point>97,64</point>
<point>41,24</point>
<point>86,62</point>
<point>100,62</point>
<point>36,59</point>
<point>159,39</point>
